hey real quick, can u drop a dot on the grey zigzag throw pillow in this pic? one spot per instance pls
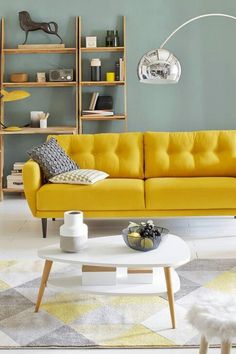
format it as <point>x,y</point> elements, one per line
<point>52,159</point>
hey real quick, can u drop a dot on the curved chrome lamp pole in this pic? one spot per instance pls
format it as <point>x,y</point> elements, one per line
<point>159,66</point>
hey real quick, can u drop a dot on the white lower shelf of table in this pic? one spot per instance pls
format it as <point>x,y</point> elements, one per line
<point>122,287</point>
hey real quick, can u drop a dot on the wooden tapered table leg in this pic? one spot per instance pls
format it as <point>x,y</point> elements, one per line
<point>46,272</point>
<point>203,346</point>
<point>170,294</point>
<point>225,347</point>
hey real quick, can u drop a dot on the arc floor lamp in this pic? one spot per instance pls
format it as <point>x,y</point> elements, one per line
<point>160,66</point>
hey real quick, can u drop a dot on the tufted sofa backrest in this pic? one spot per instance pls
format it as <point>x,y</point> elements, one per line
<point>189,154</point>
<point>120,155</point>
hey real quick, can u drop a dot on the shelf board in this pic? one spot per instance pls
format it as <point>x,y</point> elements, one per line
<point>49,130</point>
<point>40,51</point>
<point>99,117</point>
<point>102,83</point>
<point>39,84</point>
<point>102,49</point>
<point>13,190</point>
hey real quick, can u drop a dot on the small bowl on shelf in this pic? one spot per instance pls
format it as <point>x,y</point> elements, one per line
<point>143,237</point>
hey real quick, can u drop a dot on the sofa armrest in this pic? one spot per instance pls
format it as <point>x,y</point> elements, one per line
<point>33,180</point>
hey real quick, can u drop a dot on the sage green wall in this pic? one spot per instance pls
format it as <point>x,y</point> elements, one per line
<point>205,97</point>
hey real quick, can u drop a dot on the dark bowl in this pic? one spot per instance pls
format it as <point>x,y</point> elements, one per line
<point>144,244</point>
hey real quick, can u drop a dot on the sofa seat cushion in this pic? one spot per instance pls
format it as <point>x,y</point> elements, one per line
<point>109,194</point>
<point>190,193</point>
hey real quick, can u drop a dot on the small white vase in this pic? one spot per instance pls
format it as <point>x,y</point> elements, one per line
<point>73,233</point>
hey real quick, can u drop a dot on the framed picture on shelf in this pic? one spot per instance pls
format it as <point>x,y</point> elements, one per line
<point>91,42</point>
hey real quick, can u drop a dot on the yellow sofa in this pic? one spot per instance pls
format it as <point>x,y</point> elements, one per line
<point>151,174</point>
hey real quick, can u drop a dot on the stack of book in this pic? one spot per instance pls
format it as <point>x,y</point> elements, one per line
<point>92,111</point>
<point>15,179</point>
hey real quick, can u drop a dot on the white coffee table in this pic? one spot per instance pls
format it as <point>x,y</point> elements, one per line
<point>111,251</point>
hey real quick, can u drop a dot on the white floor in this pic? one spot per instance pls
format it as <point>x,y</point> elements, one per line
<point>20,237</point>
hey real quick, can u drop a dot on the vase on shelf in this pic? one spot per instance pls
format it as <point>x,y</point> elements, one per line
<point>73,233</point>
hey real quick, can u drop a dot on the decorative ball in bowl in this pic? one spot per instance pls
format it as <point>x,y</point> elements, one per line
<point>144,236</point>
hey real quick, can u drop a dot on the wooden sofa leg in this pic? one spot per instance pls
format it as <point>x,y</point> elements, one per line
<point>44,227</point>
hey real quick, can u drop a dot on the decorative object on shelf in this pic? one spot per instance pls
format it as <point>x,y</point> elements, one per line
<point>112,39</point>
<point>61,75</point>
<point>109,39</point>
<point>41,77</point>
<point>91,42</point>
<point>104,102</point>
<point>110,76</point>
<point>19,77</point>
<point>160,66</point>
<point>43,120</point>
<point>144,236</point>
<point>9,97</point>
<point>116,40</point>
<point>96,74</point>
<point>28,25</point>
<point>74,233</point>
<point>35,118</point>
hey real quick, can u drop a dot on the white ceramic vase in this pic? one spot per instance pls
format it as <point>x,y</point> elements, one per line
<point>73,233</point>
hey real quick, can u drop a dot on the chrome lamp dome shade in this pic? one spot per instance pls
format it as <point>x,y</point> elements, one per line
<point>159,66</point>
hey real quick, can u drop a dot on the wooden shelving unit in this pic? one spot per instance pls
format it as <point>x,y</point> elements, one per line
<point>39,84</point>
<point>12,190</point>
<point>40,51</point>
<point>102,49</point>
<point>98,117</point>
<point>48,130</point>
<point>82,83</point>
<point>102,83</point>
<point>3,84</point>
<point>79,84</point>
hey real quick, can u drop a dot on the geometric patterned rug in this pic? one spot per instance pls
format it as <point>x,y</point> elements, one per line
<point>74,320</point>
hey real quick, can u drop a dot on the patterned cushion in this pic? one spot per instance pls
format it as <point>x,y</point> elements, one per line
<point>81,176</point>
<point>52,158</point>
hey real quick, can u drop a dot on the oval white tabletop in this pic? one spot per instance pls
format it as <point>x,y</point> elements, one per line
<point>112,251</point>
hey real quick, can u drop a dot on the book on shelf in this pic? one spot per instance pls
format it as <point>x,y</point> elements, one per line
<point>15,182</point>
<point>122,69</point>
<point>15,179</point>
<point>18,166</point>
<point>93,101</point>
<point>16,172</point>
<point>97,112</point>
